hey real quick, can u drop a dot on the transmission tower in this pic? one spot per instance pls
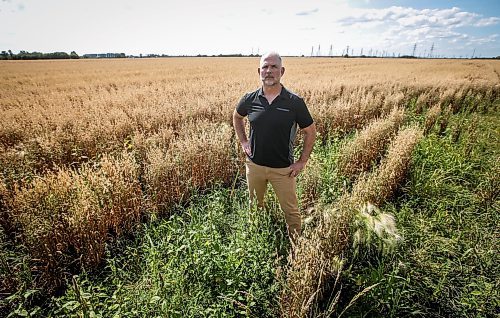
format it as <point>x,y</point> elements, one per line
<point>473,53</point>
<point>432,50</point>
<point>361,53</point>
<point>312,50</point>
<point>347,50</point>
<point>330,53</point>
<point>414,49</point>
<point>318,53</point>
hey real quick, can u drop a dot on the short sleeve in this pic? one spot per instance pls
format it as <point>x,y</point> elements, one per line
<point>304,118</point>
<point>241,108</point>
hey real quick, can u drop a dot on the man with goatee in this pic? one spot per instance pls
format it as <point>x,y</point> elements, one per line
<point>275,115</point>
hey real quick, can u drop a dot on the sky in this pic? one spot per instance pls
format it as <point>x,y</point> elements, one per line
<point>314,27</point>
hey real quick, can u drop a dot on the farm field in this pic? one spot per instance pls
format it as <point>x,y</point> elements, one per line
<point>122,191</point>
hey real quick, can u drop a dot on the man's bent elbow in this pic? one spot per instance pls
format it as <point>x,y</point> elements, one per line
<point>236,115</point>
<point>310,130</point>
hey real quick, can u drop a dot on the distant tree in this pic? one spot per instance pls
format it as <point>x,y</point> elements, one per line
<point>25,55</point>
<point>58,55</point>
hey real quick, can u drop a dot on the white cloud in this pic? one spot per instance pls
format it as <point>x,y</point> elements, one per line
<point>400,26</point>
<point>410,18</point>
<point>487,21</point>
<point>307,12</point>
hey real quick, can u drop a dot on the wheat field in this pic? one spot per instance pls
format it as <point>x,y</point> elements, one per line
<point>90,148</point>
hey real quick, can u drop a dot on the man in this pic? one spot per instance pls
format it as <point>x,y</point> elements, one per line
<point>274,113</point>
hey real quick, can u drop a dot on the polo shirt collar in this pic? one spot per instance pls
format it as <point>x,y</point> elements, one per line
<point>283,94</point>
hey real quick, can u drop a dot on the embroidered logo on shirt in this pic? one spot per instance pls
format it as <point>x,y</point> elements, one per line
<point>283,109</point>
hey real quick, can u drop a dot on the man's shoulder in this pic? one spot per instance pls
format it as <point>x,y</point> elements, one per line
<point>251,95</point>
<point>291,94</point>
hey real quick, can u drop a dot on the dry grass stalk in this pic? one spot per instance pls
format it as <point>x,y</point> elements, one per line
<point>367,146</point>
<point>422,102</point>
<point>4,222</point>
<point>310,182</point>
<point>444,119</point>
<point>431,117</point>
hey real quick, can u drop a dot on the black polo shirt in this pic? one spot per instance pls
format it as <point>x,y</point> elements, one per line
<point>273,127</point>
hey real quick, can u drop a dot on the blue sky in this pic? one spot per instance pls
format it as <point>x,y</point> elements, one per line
<point>292,27</point>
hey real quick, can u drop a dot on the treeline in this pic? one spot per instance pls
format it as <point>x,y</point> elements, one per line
<point>24,55</point>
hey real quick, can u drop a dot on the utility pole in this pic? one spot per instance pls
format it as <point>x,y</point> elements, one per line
<point>312,50</point>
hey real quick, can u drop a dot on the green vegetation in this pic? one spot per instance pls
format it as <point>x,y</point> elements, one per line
<point>447,212</point>
<point>211,258</point>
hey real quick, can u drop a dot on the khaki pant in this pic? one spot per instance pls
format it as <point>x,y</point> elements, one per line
<point>284,186</point>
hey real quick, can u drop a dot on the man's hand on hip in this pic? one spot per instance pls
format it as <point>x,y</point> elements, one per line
<point>246,147</point>
<point>296,168</point>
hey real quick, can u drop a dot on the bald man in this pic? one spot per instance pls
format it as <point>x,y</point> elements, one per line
<point>275,115</point>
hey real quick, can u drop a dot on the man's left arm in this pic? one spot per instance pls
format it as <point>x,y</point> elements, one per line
<point>309,138</point>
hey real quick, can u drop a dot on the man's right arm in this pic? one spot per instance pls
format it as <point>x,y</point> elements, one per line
<point>239,128</point>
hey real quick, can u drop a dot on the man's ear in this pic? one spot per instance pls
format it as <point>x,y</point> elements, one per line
<point>282,70</point>
<point>258,70</point>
